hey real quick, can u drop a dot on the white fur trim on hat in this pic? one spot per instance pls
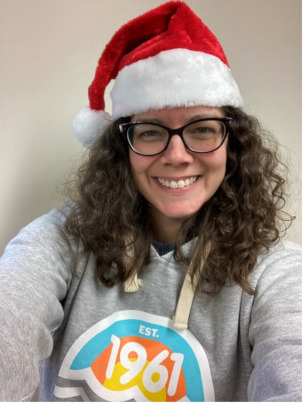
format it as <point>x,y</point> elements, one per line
<point>172,78</point>
<point>89,125</point>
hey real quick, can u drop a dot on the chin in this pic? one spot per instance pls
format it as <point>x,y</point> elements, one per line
<point>179,214</point>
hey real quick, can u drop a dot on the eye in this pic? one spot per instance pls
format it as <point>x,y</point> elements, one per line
<point>204,129</point>
<point>200,132</point>
<point>148,133</point>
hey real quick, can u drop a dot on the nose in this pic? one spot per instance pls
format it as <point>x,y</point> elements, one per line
<point>176,153</point>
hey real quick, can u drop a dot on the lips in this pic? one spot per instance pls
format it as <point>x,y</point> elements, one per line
<point>177,184</point>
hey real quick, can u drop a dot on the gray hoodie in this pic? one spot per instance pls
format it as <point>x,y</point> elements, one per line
<point>79,340</point>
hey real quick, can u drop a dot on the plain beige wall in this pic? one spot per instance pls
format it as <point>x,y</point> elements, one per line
<point>48,54</point>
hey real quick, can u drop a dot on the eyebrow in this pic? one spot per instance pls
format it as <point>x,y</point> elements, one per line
<point>191,119</point>
<point>204,116</point>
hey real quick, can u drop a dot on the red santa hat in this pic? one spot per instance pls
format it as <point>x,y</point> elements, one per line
<point>164,58</point>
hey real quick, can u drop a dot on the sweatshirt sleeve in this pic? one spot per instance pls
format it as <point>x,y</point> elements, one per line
<point>275,330</point>
<point>35,273</point>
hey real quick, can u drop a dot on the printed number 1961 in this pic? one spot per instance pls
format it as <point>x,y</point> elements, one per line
<point>154,367</point>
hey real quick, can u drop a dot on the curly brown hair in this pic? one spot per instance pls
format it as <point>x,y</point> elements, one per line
<point>241,221</point>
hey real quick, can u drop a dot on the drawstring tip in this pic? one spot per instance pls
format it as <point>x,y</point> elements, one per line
<point>180,325</point>
<point>133,284</point>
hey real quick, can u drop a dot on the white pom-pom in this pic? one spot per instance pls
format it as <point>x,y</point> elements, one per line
<point>89,125</point>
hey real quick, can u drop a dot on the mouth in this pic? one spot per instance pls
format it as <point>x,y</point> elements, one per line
<point>178,184</point>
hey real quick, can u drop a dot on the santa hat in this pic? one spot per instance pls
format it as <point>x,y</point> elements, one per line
<point>164,58</point>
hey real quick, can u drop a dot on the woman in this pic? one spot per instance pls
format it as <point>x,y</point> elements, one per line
<point>164,279</point>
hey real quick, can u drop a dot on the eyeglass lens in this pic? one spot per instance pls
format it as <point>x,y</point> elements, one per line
<point>201,136</point>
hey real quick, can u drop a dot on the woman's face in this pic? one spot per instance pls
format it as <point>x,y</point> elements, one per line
<point>202,174</point>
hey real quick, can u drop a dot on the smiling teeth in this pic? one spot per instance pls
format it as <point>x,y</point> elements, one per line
<point>178,185</point>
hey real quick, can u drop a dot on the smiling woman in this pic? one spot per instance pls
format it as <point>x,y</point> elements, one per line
<point>169,206</point>
<point>164,277</point>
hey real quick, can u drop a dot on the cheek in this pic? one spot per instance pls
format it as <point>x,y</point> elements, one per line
<point>215,162</point>
<point>139,167</point>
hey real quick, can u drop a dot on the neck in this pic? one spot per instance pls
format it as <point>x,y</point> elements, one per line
<point>165,229</point>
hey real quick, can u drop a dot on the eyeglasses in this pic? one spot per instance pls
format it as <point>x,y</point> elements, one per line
<point>201,136</point>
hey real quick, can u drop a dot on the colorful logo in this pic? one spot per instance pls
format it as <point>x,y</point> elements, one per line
<point>135,355</point>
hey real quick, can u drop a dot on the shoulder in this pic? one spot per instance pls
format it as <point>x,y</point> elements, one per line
<point>281,261</point>
<point>276,280</point>
<point>45,233</point>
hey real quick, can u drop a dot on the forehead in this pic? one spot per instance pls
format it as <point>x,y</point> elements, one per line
<point>179,115</point>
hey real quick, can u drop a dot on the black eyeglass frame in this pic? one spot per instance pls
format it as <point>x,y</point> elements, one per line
<point>124,127</point>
